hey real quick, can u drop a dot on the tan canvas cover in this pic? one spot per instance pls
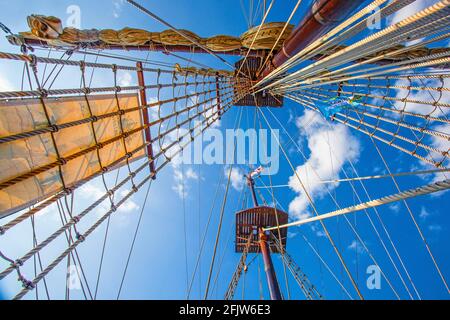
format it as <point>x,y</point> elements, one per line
<point>23,155</point>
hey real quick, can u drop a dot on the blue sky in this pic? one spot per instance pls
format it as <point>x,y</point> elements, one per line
<point>157,268</point>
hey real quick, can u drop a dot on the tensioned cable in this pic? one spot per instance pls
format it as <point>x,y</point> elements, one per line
<point>408,24</point>
<point>197,264</point>
<point>357,235</point>
<point>426,189</point>
<point>282,251</point>
<point>318,255</point>
<point>137,229</point>
<point>244,12</point>
<point>414,219</point>
<point>316,212</point>
<point>154,16</point>
<point>327,267</point>
<point>219,228</point>
<point>279,37</point>
<point>240,206</point>
<point>316,43</point>
<point>256,35</point>
<point>382,176</point>
<point>35,242</point>
<point>383,225</point>
<point>30,285</point>
<point>134,240</point>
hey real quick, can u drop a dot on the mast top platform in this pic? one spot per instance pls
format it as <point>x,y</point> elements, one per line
<point>250,221</point>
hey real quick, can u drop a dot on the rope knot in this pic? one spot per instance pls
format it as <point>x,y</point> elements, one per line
<point>27,284</point>
<point>18,263</point>
<point>43,93</point>
<point>113,208</point>
<point>76,219</point>
<point>86,90</point>
<point>80,237</point>
<point>135,189</point>
<point>33,60</point>
<point>54,128</point>
<point>62,161</point>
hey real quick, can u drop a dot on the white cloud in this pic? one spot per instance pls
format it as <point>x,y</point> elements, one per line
<point>92,192</point>
<point>331,147</point>
<point>315,227</point>
<point>153,111</point>
<point>191,174</point>
<point>209,114</point>
<point>129,205</point>
<point>182,176</point>
<point>395,207</point>
<point>117,8</point>
<point>423,95</point>
<point>439,143</point>
<point>125,79</point>
<point>5,85</point>
<point>435,228</point>
<point>410,10</point>
<point>356,246</point>
<point>424,213</point>
<point>291,235</point>
<point>237,178</point>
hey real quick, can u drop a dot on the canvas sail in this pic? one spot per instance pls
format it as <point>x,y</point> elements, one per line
<point>21,156</point>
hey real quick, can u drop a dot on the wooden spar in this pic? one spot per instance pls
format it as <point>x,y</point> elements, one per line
<point>251,185</point>
<point>324,15</point>
<point>272,283</point>
<point>150,47</point>
<point>147,133</point>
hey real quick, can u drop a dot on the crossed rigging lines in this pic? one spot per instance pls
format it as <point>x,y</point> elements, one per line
<point>305,86</point>
<point>200,109</point>
<point>319,81</point>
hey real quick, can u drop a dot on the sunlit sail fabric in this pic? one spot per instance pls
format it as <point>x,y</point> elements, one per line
<point>34,153</point>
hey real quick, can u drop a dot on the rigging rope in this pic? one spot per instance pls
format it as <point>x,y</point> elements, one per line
<point>333,197</point>
<point>427,189</point>
<point>219,227</point>
<point>315,211</point>
<point>195,42</point>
